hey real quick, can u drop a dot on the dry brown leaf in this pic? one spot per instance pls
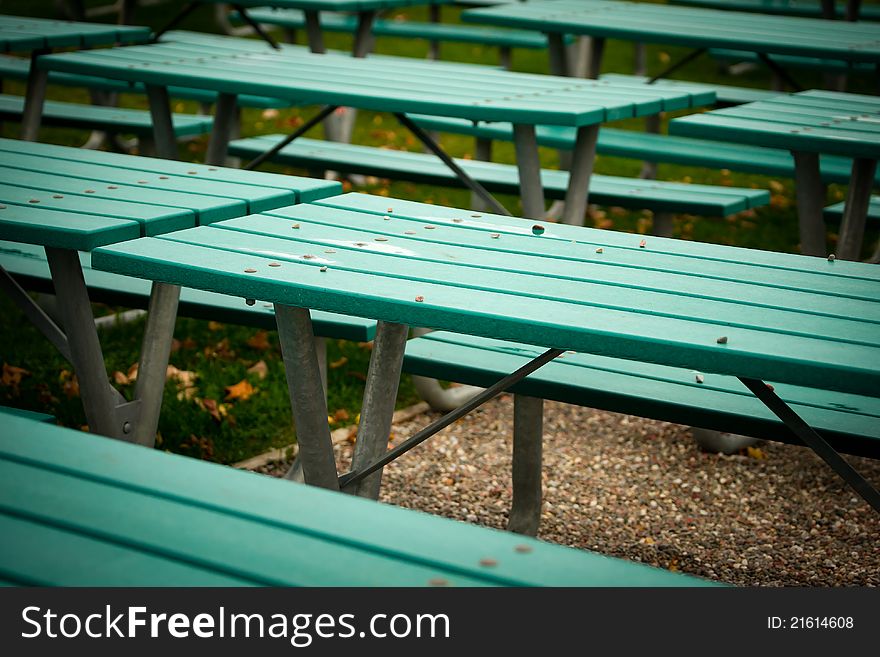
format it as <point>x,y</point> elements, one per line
<point>175,345</point>
<point>241,391</point>
<point>259,340</point>
<point>71,387</point>
<point>260,369</point>
<point>214,326</point>
<point>13,375</point>
<point>338,363</point>
<point>756,453</point>
<point>213,408</point>
<point>120,378</point>
<point>184,378</point>
<point>341,415</point>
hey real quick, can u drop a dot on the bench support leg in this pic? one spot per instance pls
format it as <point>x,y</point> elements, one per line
<point>153,364</point>
<point>583,157</point>
<point>505,57</point>
<point>34,98</point>
<point>852,227</point>
<point>813,440</point>
<point>597,49</point>
<point>297,337</point>
<point>434,46</point>
<point>163,128</point>
<point>363,38</point>
<point>528,429</point>
<point>383,379</point>
<point>225,121</point>
<point>531,189</point>
<point>35,314</point>
<point>558,54</point>
<point>313,32</point>
<point>662,224</point>
<point>483,153</point>
<point>810,193</point>
<point>82,337</point>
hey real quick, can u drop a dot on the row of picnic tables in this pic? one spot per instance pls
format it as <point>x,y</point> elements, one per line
<point>391,260</point>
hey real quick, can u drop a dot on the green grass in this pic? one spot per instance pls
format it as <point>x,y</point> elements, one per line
<point>220,355</point>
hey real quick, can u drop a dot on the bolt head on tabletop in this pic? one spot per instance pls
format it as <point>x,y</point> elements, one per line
<point>390,210</point>
<point>722,340</point>
<point>438,581</point>
<point>831,257</point>
<point>386,218</point>
<point>409,232</point>
<point>308,256</point>
<point>142,182</point>
<point>457,221</point>
<point>430,227</point>
<point>90,191</point>
<point>295,227</point>
<point>34,200</point>
<point>2,207</point>
<point>274,264</point>
<point>380,239</point>
<point>163,177</point>
<point>324,268</point>
<point>112,187</point>
<point>523,548</point>
<point>420,298</point>
<point>488,562</point>
<point>600,250</point>
<point>495,236</point>
<point>476,216</point>
<point>250,270</point>
<point>192,173</point>
<point>57,195</point>
<point>537,229</point>
<point>699,378</point>
<point>329,251</point>
<point>250,302</point>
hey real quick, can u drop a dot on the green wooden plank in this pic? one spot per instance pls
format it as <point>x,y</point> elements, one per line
<point>153,220</point>
<point>36,554</point>
<point>207,208</point>
<point>21,412</point>
<point>325,518</point>
<point>28,264</point>
<point>113,119</point>
<point>263,195</point>
<point>406,258</point>
<point>422,167</point>
<point>721,403</point>
<point>712,261</point>
<point>63,229</point>
<point>626,334</point>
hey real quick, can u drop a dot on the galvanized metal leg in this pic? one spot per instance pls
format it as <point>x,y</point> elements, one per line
<point>810,192</point>
<point>363,38</point>
<point>306,396</point>
<point>528,429</point>
<point>482,152</point>
<point>35,314</point>
<point>529,166</point>
<point>163,128</point>
<point>313,32</point>
<point>583,157</point>
<point>597,49</point>
<point>439,398</point>
<point>434,46</point>
<point>663,224</point>
<point>82,337</point>
<point>578,57</point>
<point>852,227</point>
<point>383,379</point>
<point>34,98</point>
<point>225,118</point>
<point>153,363</point>
<point>558,54</point>
<point>505,57</point>
<point>340,124</point>
<point>295,472</point>
<point>640,66</point>
<point>652,126</point>
<point>289,34</point>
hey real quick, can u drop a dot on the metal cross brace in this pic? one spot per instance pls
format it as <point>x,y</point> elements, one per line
<point>813,440</point>
<point>188,9</point>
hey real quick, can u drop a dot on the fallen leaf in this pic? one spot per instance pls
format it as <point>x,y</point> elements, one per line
<point>133,372</point>
<point>120,378</point>
<point>260,369</point>
<point>241,391</point>
<point>71,387</point>
<point>756,453</point>
<point>184,378</point>
<point>341,415</point>
<point>214,326</point>
<point>175,345</point>
<point>259,340</point>
<point>13,375</point>
<point>338,363</point>
<point>213,409</point>
<point>357,375</point>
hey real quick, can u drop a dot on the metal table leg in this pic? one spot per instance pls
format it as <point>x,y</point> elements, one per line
<point>34,98</point>
<point>528,429</point>
<point>810,193</point>
<point>529,167</point>
<point>163,128</point>
<point>225,124</point>
<point>313,31</point>
<point>852,227</point>
<point>296,335</point>
<point>584,156</point>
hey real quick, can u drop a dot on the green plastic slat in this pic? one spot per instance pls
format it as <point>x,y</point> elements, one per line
<point>668,394</point>
<point>761,354</point>
<point>21,412</point>
<point>63,229</point>
<point>28,264</point>
<point>23,33</point>
<point>791,61</point>
<point>346,524</point>
<point>113,119</point>
<point>422,167</point>
<point>36,554</point>
<point>808,8</point>
<point>835,212</point>
<point>724,93</point>
<point>235,181</point>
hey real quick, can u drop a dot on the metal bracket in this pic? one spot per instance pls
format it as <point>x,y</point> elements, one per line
<point>37,315</point>
<point>254,24</point>
<point>813,440</point>
<point>127,416</point>
<point>350,478</point>
<point>691,56</point>
<point>781,72</point>
<point>299,132</point>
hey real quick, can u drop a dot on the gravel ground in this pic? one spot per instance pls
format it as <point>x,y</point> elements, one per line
<point>774,515</point>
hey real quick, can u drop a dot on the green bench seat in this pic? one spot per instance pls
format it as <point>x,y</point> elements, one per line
<point>654,148</point>
<point>505,38</point>
<point>108,119</point>
<point>851,423</point>
<point>27,264</point>
<point>659,196</point>
<point>834,212</point>
<point>18,68</point>
<point>6,411</point>
<point>724,94</point>
<point>794,61</point>
<point>81,510</point>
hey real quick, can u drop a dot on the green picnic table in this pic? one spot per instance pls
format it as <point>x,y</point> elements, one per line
<point>809,124</point>
<point>695,27</point>
<point>233,66</point>
<point>69,200</point>
<point>851,10</point>
<point>751,314</point>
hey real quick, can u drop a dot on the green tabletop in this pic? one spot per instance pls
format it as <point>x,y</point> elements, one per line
<point>393,85</point>
<point>22,34</point>
<point>691,26</point>
<point>808,8</point>
<point>333,5</point>
<point>78,199</point>
<point>785,318</point>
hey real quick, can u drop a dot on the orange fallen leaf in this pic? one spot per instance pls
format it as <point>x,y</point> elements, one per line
<point>213,408</point>
<point>184,378</point>
<point>12,375</point>
<point>338,363</point>
<point>120,378</point>
<point>756,453</point>
<point>259,340</point>
<point>133,372</point>
<point>341,415</point>
<point>260,369</point>
<point>214,326</point>
<point>241,391</point>
<point>71,387</point>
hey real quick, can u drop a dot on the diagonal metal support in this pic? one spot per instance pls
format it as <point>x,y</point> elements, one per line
<point>687,59</point>
<point>36,314</point>
<point>170,25</point>
<point>813,440</point>
<point>780,72</point>
<point>255,25</point>
<point>435,148</point>
<point>350,478</point>
<point>299,132</point>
